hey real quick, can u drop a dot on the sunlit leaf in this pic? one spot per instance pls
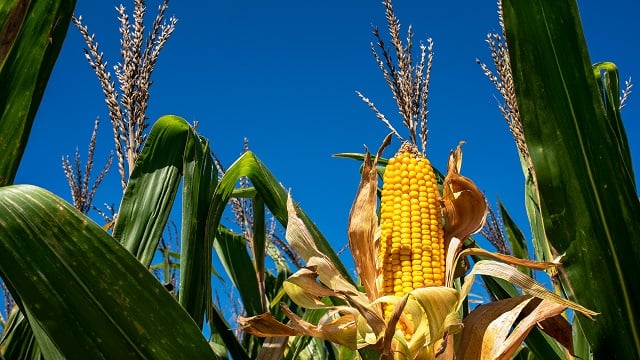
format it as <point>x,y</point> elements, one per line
<point>274,197</point>
<point>31,36</point>
<point>496,330</point>
<point>588,198</point>
<point>152,188</point>
<point>527,284</point>
<point>194,291</point>
<point>465,208</point>
<point>516,239</point>
<point>363,224</point>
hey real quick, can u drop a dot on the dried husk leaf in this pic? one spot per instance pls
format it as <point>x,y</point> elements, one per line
<point>488,330</point>
<point>508,259</point>
<point>339,330</point>
<point>399,304</point>
<point>545,314</point>
<point>487,326</point>
<point>558,328</point>
<point>439,303</point>
<point>434,316</point>
<point>453,248</point>
<point>516,277</point>
<point>265,325</point>
<point>465,208</point>
<point>273,348</point>
<point>305,291</point>
<point>363,223</point>
<point>395,344</point>
<point>301,240</point>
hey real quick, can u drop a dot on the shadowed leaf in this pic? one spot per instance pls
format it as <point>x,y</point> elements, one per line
<point>91,297</point>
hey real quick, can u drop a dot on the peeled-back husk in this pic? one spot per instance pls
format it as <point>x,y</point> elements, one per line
<point>465,208</point>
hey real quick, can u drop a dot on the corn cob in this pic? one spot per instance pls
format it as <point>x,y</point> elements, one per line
<point>411,244</point>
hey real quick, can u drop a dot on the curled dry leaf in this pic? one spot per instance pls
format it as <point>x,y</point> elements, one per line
<point>487,327</point>
<point>497,329</point>
<point>273,348</point>
<point>465,208</point>
<point>265,325</point>
<point>511,260</point>
<point>338,326</point>
<point>527,284</point>
<point>305,291</point>
<point>363,223</point>
<point>440,306</point>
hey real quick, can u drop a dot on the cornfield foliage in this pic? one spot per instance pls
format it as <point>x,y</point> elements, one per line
<point>84,291</point>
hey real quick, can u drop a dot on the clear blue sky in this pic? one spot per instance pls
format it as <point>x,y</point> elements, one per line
<point>284,75</point>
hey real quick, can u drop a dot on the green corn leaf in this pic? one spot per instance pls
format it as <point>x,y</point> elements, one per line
<point>270,249</point>
<point>608,82</point>
<point>152,188</point>
<point>223,336</point>
<point>517,241</point>
<point>273,195</point>
<point>195,255</point>
<point>580,343</point>
<point>31,35</point>
<point>89,295</point>
<point>232,251</point>
<point>19,341</point>
<point>587,193</point>
<point>259,245</point>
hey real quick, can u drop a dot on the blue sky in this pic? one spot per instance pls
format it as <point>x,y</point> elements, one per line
<point>284,75</point>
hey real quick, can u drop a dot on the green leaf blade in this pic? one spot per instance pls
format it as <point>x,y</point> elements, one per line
<point>195,255</point>
<point>93,299</point>
<point>274,197</point>
<point>31,36</point>
<point>152,188</point>
<point>589,203</point>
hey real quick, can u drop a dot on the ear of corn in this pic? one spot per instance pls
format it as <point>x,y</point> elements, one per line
<point>411,243</point>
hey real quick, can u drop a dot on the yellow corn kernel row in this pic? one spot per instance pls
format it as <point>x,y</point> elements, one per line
<point>412,245</point>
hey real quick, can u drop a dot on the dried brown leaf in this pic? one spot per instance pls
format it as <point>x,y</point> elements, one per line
<point>265,325</point>
<point>527,284</point>
<point>465,208</point>
<point>511,260</point>
<point>339,330</point>
<point>363,223</point>
<point>301,240</point>
<point>305,291</point>
<point>273,348</point>
<point>547,315</point>
<point>391,325</point>
<point>496,330</point>
<point>487,327</point>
